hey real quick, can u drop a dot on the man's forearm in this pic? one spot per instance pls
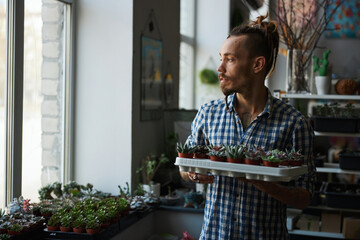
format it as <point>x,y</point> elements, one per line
<point>295,197</point>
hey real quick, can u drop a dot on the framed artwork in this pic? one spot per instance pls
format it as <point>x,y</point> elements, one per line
<point>345,22</point>
<point>151,78</point>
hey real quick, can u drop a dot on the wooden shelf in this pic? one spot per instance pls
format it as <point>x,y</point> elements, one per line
<point>325,97</point>
<point>335,168</point>
<point>317,234</point>
<point>336,134</point>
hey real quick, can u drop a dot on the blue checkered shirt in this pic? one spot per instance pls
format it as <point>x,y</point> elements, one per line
<point>235,209</point>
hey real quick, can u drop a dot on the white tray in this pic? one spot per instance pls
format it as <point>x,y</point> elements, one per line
<point>254,172</point>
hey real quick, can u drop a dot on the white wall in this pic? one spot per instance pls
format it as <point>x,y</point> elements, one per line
<point>103,109</point>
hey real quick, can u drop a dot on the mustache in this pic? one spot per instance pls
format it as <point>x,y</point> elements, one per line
<point>221,75</point>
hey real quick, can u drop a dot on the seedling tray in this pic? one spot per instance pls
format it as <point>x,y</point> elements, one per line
<point>330,124</point>
<point>253,172</point>
<point>340,195</point>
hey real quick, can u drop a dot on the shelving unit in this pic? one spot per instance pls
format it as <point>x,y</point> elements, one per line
<point>335,168</point>
<point>330,168</point>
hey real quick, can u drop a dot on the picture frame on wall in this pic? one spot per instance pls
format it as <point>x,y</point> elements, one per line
<point>151,78</point>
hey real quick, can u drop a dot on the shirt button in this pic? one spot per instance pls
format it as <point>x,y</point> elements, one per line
<point>234,219</point>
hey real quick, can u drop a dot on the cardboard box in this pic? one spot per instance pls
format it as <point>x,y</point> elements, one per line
<point>292,217</point>
<point>308,223</point>
<point>351,228</point>
<point>331,222</point>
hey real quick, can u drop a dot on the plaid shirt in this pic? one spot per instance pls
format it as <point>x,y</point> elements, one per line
<point>235,209</point>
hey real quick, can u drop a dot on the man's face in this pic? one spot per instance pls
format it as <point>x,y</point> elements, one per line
<point>235,67</point>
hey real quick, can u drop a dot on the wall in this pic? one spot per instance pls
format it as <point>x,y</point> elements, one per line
<point>110,139</point>
<point>148,136</point>
<point>103,107</point>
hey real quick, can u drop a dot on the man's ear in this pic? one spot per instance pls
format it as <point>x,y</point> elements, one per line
<point>259,64</point>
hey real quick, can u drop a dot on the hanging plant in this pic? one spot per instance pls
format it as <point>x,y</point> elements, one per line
<point>208,76</point>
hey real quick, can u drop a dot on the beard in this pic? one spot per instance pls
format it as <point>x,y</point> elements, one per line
<point>226,91</point>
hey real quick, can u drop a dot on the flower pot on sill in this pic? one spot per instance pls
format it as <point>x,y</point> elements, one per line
<point>218,159</point>
<point>106,225</point>
<point>92,231</point>
<point>235,160</point>
<point>252,161</point>
<point>185,155</point>
<point>153,188</point>
<point>52,228</point>
<point>65,229</point>
<point>78,230</point>
<point>13,233</point>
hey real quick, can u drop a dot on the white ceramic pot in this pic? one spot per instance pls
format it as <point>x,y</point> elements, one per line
<point>153,188</point>
<point>322,84</point>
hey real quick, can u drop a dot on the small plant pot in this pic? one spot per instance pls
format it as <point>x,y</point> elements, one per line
<point>295,163</point>
<point>65,229</point>
<point>46,215</point>
<point>13,233</point>
<point>252,161</point>
<point>185,155</point>
<point>92,231</point>
<point>105,225</point>
<point>201,155</point>
<point>235,160</point>
<point>3,230</point>
<point>285,163</point>
<point>52,228</point>
<point>78,230</point>
<point>218,159</point>
<point>270,164</point>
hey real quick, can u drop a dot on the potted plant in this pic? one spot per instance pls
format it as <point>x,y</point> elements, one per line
<point>253,157</point>
<point>54,222</point>
<point>15,229</point>
<point>334,118</point>
<point>323,80</point>
<point>184,150</point>
<point>79,224</point>
<point>150,165</point>
<point>295,158</point>
<point>103,217</point>
<point>92,224</point>
<point>217,153</point>
<point>46,212</point>
<point>271,158</point>
<point>235,153</point>
<point>201,152</point>
<point>66,223</point>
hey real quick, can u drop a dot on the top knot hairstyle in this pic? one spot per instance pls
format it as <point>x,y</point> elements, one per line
<point>264,40</point>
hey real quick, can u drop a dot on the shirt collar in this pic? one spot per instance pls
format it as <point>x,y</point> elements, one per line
<point>268,107</point>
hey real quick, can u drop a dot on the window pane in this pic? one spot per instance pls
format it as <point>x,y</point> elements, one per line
<point>186,76</point>
<point>187,17</point>
<point>43,95</point>
<point>2,100</point>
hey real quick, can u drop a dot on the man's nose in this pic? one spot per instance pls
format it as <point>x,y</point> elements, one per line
<point>221,68</point>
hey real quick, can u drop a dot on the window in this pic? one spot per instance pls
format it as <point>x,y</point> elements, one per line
<point>44,96</point>
<point>187,54</point>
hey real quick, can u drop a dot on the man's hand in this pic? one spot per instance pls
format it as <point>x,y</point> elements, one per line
<point>197,178</point>
<point>295,197</point>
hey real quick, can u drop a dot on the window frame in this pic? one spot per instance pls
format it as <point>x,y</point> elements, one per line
<point>14,96</point>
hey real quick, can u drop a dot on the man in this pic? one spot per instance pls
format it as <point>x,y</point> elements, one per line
<point>249,115</point>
